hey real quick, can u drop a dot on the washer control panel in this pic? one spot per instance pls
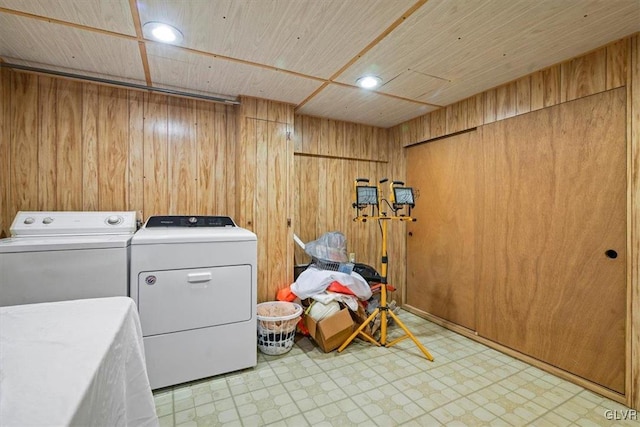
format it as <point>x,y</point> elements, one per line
<point>189,221</point>
<point>115,220</point>
<point>47,223</point>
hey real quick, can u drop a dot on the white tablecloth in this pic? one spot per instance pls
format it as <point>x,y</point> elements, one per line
<point>74,363</point>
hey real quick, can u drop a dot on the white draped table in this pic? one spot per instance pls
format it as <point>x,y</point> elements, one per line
<point>77,363</point>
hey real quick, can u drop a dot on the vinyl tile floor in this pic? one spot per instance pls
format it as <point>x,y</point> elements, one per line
<point>468,384</point>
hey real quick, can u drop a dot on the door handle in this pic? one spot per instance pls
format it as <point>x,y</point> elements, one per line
<point>411,233</point>
<point>610,253</point>
<point>198,277</point>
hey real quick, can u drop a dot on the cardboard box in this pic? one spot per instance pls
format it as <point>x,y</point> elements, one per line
<point>359,317</point>
<point>332,331</point>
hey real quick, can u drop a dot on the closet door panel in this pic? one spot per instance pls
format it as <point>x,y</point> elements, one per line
<point>441,244</point>
<point>557,291</point>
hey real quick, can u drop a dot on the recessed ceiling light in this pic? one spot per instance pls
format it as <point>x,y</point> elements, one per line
<point>368,82</point>
<point>162,32</point>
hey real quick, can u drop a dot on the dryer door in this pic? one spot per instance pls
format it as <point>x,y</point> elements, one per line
<point>179,300</point>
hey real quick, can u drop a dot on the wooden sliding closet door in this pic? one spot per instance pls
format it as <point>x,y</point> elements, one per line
<point>441,245</point>
<point>557,291</point>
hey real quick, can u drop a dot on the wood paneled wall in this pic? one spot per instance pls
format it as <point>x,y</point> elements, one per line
<point>69,145</point>
<point>612,66</point>
<point>265,189</point>
<point>329,156</point>
<point>595,72</point>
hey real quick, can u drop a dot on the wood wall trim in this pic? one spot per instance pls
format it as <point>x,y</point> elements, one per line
<point>443,137</point>
<point>633,173</point>
<point>326,156</point>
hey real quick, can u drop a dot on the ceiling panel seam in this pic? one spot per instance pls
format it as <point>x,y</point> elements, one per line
<point>366,49</point>
<point>142,42</point>
<point>66,24</point>
<point>135,15</point>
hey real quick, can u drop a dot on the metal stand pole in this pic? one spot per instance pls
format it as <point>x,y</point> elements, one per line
<point>383,309</point>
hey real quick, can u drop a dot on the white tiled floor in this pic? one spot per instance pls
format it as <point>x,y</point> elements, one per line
<point>467,384</point>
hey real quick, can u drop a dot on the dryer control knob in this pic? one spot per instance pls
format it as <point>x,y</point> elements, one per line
<point>29,220</point>
<point>47,220</point>
<point>193,220</point>
<point>114,220</point>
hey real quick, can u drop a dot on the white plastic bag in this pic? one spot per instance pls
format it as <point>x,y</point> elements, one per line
<point>331,246</point>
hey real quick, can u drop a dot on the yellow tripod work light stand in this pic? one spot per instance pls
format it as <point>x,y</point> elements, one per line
<point>367,196</point>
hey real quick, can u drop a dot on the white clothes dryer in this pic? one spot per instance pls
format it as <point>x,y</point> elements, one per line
<point>56,256</point>
<point>194,282</point>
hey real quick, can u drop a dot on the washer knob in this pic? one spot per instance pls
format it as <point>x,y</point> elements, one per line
<point>29,220</point>
<point>193,220</point>
<point>47,220</point>
<point>114,220</point>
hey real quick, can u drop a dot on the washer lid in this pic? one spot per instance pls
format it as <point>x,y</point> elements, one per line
<point>63,243</point>
<point>161,235</point>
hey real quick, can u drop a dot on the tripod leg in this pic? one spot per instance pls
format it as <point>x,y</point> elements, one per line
<point>359,330</point>
<point>422,348</point>
<point>383,326</point>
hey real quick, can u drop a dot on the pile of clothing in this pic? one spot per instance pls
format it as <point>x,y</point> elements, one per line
<point>331,283</point>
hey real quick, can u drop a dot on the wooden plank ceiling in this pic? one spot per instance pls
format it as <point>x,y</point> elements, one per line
<point>429,53</point>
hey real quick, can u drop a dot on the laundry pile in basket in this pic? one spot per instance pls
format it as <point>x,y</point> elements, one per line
<point>277,321</point>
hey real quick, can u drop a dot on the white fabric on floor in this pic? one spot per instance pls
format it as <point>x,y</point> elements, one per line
<point>74,363</point>
<point>325,298</point>
<point>313,281</point>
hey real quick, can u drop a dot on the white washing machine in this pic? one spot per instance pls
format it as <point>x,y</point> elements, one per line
<point>55,256</point>
<point>194,281</point>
